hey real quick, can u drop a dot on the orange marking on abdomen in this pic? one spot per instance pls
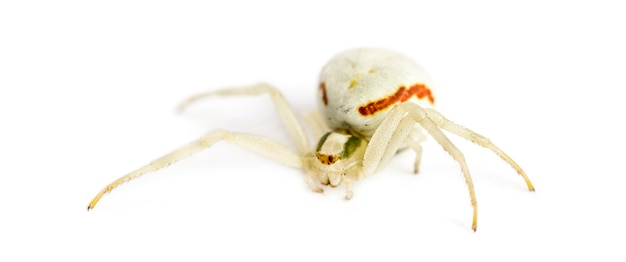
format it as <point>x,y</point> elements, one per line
<point>324,97</point>
<point>402,95</point>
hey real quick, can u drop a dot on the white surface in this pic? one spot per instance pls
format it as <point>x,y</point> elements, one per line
<point>88,91</point>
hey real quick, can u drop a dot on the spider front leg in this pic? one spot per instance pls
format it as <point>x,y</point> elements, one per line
<point>260,145</point>
<point>406,115</point>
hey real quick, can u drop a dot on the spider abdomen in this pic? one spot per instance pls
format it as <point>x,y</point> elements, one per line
<point>358,88</point>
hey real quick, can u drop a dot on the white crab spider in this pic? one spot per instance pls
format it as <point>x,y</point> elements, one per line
<point>372,103</point>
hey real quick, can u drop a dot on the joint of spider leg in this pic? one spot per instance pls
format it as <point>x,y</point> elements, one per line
<point>479,139</point>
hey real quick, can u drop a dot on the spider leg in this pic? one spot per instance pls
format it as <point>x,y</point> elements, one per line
<point>418,151</point>
<point>396,141</point>
<point>315,123</point>
<point>417,114</point>
<point>386,141</point>
<point>478,139</point>
<point>348,182</point>
<point>294,128</point>
<point>260,145</point>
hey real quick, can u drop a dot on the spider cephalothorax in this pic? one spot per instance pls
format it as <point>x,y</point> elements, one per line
<point>372,102</point>
<point>338,157</point>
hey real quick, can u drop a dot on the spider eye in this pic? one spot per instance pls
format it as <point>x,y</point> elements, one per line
<point>326,159</point>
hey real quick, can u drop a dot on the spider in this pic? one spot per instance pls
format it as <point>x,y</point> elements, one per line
<point>372,104</point>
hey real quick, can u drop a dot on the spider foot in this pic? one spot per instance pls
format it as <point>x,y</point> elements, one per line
<point>416,167</point>
<point>317,189</point>
<point>349,195</point>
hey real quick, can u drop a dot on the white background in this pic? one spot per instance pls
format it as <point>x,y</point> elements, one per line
<point>88,91</point>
